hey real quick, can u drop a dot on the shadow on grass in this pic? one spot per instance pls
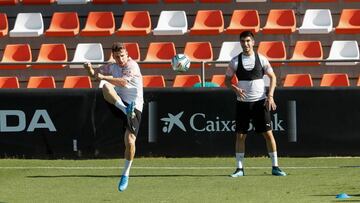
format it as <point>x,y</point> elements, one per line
<point>349,166</point>
<point>132,176</point>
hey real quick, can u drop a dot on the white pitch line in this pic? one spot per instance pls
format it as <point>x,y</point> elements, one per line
<point>155,167</point>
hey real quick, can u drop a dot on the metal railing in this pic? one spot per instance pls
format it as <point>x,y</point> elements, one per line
<point>203,63</point>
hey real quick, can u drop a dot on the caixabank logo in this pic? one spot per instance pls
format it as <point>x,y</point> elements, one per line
<point>200,122</point>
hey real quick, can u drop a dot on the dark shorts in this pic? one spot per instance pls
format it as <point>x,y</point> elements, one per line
<point>136,121</point>
<point>254,111</point>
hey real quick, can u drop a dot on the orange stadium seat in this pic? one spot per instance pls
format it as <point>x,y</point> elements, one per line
<point>186,80</point>
<point>108,1</point>
<point>273,50</point>
<point>77,82</point>
<point>280,21</point>
<point>4,27</point>
<point>63,24</point>
<point>178,1</point>
<point>215,1</point>
<point>51,53</point>
<point>349,22</point>
<point>287,0</point>
<point>142,1</point>
<point>321,1</point>
<point>8,2</point>
<point>307,50</point>
<point>208,22</point>
<point>38,1</point>
<point>298,80</point>
<point>16,53</point>
<point>159,51</point>
<point>242,20</point>
<point>99,24</point>
<point>135,23</point>
<point>198,51</point>
<point>41,82</point>
<point>335,80</point>
<point>220,80</point>
<point>153,81</point>
<point>9,82</point>
<point>358,82</point>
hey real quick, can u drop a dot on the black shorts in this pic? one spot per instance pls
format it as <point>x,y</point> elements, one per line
<point>254,111</point>
<point>136,121</point>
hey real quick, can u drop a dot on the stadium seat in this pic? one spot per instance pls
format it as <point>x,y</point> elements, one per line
<point>4,27</point>
<point>343,50</point>
<point>335,80</point>
<point>108,1</point>
<point>316,21</point>
<point>171,23</point>
<point>280,21</point>
<point>142,1</point>
<point>198,51</point>
<point>246,1</point>
<point>322,1</point>
<point>92,52</point>
<point>273,50</point>
<point>153,81</point>
<point>215,1</point>
<point>298,80</point>
<point>29,2</point>
<point>186,80</point>
<point>159,52</point>
<point>135,23</point>
<point>63,24</point>
<point>349,22</point>
<point>77,82</point>
<point>9,82</point>
<point>228,51</point>
<point>358,82</point>
<point>307,50</point>
<point>208,22</point>
<point>99,24</point>
<point>51,53</point>
<point>287,0</point>
<point>178,1</point>
<point>220,80</point>
<point>8,2</point>
<point>16,53</point>
<point>72,1</point>
<point>242,20</point>
<point>41,82</point>
<point>28,25</point>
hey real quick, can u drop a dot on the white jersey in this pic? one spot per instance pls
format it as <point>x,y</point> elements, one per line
<point>254,89</point>
<point>133,91</point>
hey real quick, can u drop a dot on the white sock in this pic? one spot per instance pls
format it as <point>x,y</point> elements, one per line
<point>127,166</point>
<point>120,105</point>
<point>239,160</point>
<point>274,158</point>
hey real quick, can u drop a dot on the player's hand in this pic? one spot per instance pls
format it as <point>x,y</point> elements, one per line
<point>240,92</point>
<point>270,104</point>
<point>100,76</point>
<point>88,67</point>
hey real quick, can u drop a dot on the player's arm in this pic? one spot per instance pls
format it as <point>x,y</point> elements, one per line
<point>270,104</point>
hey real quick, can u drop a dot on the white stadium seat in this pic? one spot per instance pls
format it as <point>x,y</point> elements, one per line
<point>72,1</point>
<point>228,51</point>
<point>171,23</point>
<point>28,25</point>
<point>343,50</point>
<point>316,21</point>
<point>91,52</point>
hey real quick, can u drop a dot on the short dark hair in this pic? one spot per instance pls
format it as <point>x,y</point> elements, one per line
<point>117,46</point>
<point>246,33</point>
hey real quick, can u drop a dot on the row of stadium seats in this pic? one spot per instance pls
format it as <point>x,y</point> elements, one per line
<point>196,51</point>
<point>31,2</point>
<point>291,80</point>
<point>207,22</point>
